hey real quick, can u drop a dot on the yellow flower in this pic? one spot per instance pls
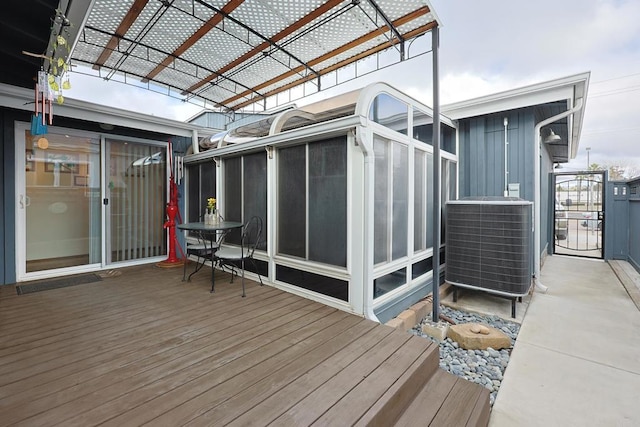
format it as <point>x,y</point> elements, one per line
<point>211,203</point>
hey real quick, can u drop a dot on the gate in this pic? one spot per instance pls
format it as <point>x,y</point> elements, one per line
<point>579,213</point>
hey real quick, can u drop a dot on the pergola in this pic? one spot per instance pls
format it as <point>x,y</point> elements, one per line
<point>232,54</point>
<point>229,54</point>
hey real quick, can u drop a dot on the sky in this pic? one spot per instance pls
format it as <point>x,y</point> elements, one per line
<point>488,47</point>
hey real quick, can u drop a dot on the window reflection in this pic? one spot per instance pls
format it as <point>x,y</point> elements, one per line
<point>423,131</point>
<point>390,227</point>
<point>390,112</point>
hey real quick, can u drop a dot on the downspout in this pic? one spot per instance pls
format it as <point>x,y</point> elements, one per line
<point>536,226</point>
<point>194,142</point>
<point>369,156</point>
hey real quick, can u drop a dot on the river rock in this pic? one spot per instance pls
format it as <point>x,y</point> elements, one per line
<point>469,340</point>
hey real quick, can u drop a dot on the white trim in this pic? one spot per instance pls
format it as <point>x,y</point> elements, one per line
<point>565,88</point>
<point>21,99</point>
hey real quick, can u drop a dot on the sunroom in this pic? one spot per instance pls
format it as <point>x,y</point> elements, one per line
<point>345,190</point>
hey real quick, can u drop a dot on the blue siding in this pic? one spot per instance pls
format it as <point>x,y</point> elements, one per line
<point>634,232</point>
<point>7,198</point>
<point>482,161</point>
<point>633,190</point>
<point>3,205</point>
<point>547,205</point>
<point>622,221</point>
<point>482,154</point>
<point>616,222</point>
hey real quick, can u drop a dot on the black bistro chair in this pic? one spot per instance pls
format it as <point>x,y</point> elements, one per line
<point>202,250</point>
<point>233,257</point>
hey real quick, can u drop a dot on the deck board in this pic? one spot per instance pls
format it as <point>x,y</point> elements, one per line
<point>146,348</point>
<point>428,401</point>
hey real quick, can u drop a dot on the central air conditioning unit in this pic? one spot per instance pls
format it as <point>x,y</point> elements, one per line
<point>489,246</point>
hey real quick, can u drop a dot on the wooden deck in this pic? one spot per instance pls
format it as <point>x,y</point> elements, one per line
<point>145,347</point>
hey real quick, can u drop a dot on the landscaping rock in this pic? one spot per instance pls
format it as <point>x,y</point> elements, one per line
<point>435,330</point>
<point>484,338</point>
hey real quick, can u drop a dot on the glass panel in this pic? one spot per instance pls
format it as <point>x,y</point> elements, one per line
<point>423,131</point>
<point>233,196</point>
<point>391,281</point>
<point>292,170</point>
<point>328,202</point>
<point>447,138</point>
<point>419,198</point>
<point>400,199</point>
<point>255,191</point>
<point>137,205</point>
<point>422,126</point>
<point>444,196</point>
<point>381,150</point>
<point>453,179</point>
<point>429,203</point>
<point>390,112</point>
<point>201,185</point>
<point>330,286</point>
<point>63,218</point>
<point>207,185</point>
<point>421,267</point>
<point>194,210</point>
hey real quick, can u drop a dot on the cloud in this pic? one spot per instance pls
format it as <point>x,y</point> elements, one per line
<point>126,96</point>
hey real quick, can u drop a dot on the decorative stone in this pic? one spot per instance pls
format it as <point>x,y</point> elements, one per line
<point>470,340</point>
<point>436,330</point>
<point>409,319</point>
<point>421,308</point>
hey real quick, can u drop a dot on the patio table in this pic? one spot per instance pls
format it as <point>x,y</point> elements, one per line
<point>209,233</point>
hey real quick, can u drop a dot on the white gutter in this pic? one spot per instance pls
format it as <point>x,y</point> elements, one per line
<point>366,145</point>
<point>536,226</point>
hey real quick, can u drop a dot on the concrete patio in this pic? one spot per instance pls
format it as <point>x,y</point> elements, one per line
<point>576,361</point>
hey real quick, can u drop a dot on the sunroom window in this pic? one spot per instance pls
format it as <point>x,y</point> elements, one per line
<point>202,185</point>
<point>390,210</point>
<point>245,190</point>
<point>423,131</point>
<point>390,112</point>
<point>423,201</point>
<point>312,201</point>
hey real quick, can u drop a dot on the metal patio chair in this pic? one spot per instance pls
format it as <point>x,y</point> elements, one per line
<point>233,257</point>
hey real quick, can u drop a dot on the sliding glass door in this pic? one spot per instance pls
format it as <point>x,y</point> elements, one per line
<point>84,201</point>
<point>136,188</point>
<point>58,211</point>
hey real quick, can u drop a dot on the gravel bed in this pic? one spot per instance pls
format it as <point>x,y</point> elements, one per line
<point>484,367</point>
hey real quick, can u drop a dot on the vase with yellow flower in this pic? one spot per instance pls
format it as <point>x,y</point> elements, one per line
<point>210,214</point>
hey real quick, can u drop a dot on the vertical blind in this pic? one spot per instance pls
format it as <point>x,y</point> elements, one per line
<point>136,189</point>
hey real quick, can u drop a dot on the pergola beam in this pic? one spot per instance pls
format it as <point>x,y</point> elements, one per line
<point>201,32</point>
<point>265,44</point>
<point>414,33</point>
<point>125,24</point>
<point>390,25</point>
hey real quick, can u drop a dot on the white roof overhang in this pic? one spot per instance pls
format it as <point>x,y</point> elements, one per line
<point>571,89</point>
<point>22,99</point>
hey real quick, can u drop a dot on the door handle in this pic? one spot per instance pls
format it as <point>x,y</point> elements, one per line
<point>24,201</point>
